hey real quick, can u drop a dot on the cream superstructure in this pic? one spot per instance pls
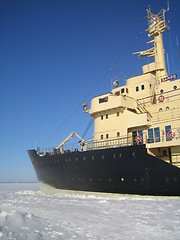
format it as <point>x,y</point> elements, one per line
<point>147,109</point>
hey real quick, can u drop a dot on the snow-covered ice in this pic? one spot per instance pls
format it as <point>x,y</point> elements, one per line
<point>26,213</point>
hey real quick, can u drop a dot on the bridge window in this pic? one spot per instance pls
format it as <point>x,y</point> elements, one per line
<point>117,93</point>
<point>102,100</point>
<point>137,89</point>
<point>157,134</point>
<point>107,135</point>
<point>142,87</point>
<point>150,135</point>
<point>168,133</point>
<point>118,134</point>
<point>153,135</point>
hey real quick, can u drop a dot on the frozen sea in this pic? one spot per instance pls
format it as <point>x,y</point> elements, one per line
<point>27,213</point>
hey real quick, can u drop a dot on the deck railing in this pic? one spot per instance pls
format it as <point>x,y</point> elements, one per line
<point>113,142</point>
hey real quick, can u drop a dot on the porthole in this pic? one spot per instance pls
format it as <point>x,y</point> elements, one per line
<point>160,110</point>
<point>103,156</point>
<point>175,87</point>
<point>167,108</point>
<point>175,179</point>
<point>120,155</point>
<point>114,156</point>
<point>134,154</point>
<point>161,91</point>
<point>137,89</point>
<point>167,180</point>
<point>122,179</point>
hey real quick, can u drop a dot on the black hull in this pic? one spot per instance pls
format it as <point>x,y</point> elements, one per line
<point>125,170</point>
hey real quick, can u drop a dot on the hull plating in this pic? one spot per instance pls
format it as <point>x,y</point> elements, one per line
<point>127,170</point>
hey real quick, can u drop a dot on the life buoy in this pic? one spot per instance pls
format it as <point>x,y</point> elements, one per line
<point>170,134</point>
<point>138,138</point>
<point>161,98</point>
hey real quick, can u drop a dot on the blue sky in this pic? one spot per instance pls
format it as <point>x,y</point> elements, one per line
<point>54,55</point>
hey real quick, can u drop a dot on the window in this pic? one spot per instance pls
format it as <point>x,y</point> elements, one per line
<point>118,134</point>
<point>102,100</point>
<point>101,117</point>
<point>126,90</point>
<point>140,132</point>
<point>106,116</point>
<point>164,153</point>
<point>168,133</point>
<point>175,87</point>
<point>117,114</point>
<point>107,135</point>
<point>161,91</point>
<point>153,135</point>
<point>157,134</point>
<point>122,90</point>
<point>160,110</point>
<point>142,87</point>
<point>101,136</point>
<point>150,135</point>
<point>137,89</point>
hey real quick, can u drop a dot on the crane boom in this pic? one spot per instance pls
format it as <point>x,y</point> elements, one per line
<point>69,138</point>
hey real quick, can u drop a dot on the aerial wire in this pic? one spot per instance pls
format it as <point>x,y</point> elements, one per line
<point>91,91</point>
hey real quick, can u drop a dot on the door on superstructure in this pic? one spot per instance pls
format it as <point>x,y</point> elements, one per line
<point>134,135</point>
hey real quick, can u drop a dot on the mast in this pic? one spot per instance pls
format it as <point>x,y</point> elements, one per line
<point>156,26</point>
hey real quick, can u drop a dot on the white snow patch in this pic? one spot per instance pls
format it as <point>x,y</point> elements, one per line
<point>29,214</point>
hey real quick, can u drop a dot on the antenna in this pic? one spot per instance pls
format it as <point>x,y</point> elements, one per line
<point>167,6</point>
<point>116,82</point>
